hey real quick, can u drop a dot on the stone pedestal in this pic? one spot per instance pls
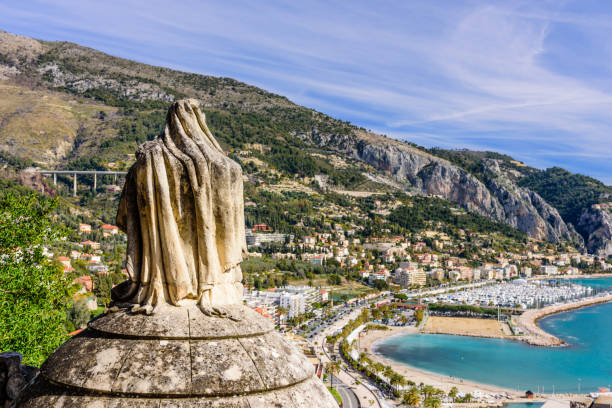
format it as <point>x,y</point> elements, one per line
<point>177,358</point>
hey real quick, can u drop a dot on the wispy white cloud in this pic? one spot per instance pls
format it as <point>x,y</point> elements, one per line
<point>501,76</point>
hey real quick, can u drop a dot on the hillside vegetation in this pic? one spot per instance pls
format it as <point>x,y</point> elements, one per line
<point>71,107</point>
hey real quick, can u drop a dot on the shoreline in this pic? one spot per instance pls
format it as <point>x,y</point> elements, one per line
<point>527,321</point>
<point>443,382</point>
<point>492,395</point>
<point>580,276</point>
<point>537,336</point>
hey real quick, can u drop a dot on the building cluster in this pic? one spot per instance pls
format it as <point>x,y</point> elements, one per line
<point>284,303</point>
<point>88,258</point>
<point>428,258</point>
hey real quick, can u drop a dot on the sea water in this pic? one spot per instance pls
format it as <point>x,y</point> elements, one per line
<point>584,365</point>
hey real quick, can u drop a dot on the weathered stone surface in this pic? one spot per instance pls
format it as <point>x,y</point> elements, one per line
<point>222,367</point>
<point>133,403</point>
<point>13,376</point>
<point>182,323</point>
<point>251,322</point>
<point>207,403</point>
<point>280,399</point>
<point>208,327</point>
<point>155,367</point>
<point>273,355</point>
<point>183,211</point>
<point>89,362</point>
<point>303,394</point>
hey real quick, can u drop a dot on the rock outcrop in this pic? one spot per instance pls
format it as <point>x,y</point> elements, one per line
<point>14,377</point>
<point>525,210</point>
<point>498,197</point>
<point>596,223</point>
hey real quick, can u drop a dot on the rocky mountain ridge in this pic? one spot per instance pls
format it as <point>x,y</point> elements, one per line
<point>500,198</point>
<point>244,115</point>
<point>597,221</point>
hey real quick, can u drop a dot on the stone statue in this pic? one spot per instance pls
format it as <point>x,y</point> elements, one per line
<point>182,209</point>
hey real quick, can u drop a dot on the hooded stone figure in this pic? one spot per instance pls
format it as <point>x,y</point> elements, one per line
<point>182,209</point>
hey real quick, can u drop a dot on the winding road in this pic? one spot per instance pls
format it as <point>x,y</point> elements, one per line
<point>349,399</point>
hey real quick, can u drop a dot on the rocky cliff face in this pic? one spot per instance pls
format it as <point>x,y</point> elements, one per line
<point>525,210</point>
<point>500,198</point>
<point>596,222</point>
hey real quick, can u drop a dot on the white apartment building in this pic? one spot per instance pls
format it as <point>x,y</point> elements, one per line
<point>295,304</point>
<point>549,270</point>
<point>410,276</point>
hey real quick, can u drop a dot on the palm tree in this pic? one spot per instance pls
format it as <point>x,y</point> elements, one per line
<point>377,368</point>
<point>363,359</point>
<point>388,372</point>
<point>453,393</point>
<point>428,391</point>
<point>412,397</point>
<point>432,402</point>
<point>401,381</point>
<point>333,367</point>
<point>397,380</point>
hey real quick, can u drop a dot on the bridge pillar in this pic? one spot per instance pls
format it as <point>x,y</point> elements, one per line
<point>74,186</point>
<point>95,182</point>
<point>54,179</point>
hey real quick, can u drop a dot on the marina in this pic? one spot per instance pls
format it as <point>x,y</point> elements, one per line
<point>522,294</point>
<point>583,366</point>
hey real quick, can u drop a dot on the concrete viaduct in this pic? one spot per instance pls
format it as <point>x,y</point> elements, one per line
<point>74,174</point>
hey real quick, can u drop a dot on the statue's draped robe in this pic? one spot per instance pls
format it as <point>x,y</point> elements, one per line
<point>182,209</point>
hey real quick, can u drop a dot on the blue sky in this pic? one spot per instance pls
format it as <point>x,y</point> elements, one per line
<point>531,79</point>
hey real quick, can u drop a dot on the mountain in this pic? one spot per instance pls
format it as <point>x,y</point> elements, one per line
<point>68,106</point>
<point>596,222</point>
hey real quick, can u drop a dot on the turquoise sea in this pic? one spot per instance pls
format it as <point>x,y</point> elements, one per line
<point>585,365</point>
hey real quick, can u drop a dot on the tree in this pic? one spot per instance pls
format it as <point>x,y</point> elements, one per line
<point>388,372</point>
<point>78,314</point>
<point>333,367</point>
<point>281,310</point>
<point>412,397</point>
<point>34,294</point>
<point>380,284</point>
<point>397,380</point>
<point>432,402</point>
<point>428,391</point>
<point>419,314</point>
<point>453,393</point>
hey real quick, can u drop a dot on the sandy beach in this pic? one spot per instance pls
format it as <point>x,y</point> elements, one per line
<point>465,326</point>
<point>472,327</point>
<point>367,343</point>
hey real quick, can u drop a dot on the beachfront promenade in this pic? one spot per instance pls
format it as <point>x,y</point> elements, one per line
<point>364,395</point>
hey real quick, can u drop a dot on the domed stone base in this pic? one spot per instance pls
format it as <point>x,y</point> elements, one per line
<point>178,358</point>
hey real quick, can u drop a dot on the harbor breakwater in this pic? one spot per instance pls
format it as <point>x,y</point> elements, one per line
<point>536,336</point>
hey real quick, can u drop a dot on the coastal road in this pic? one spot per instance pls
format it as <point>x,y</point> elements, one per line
<point>349,399</point>
<point>365,397</point>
